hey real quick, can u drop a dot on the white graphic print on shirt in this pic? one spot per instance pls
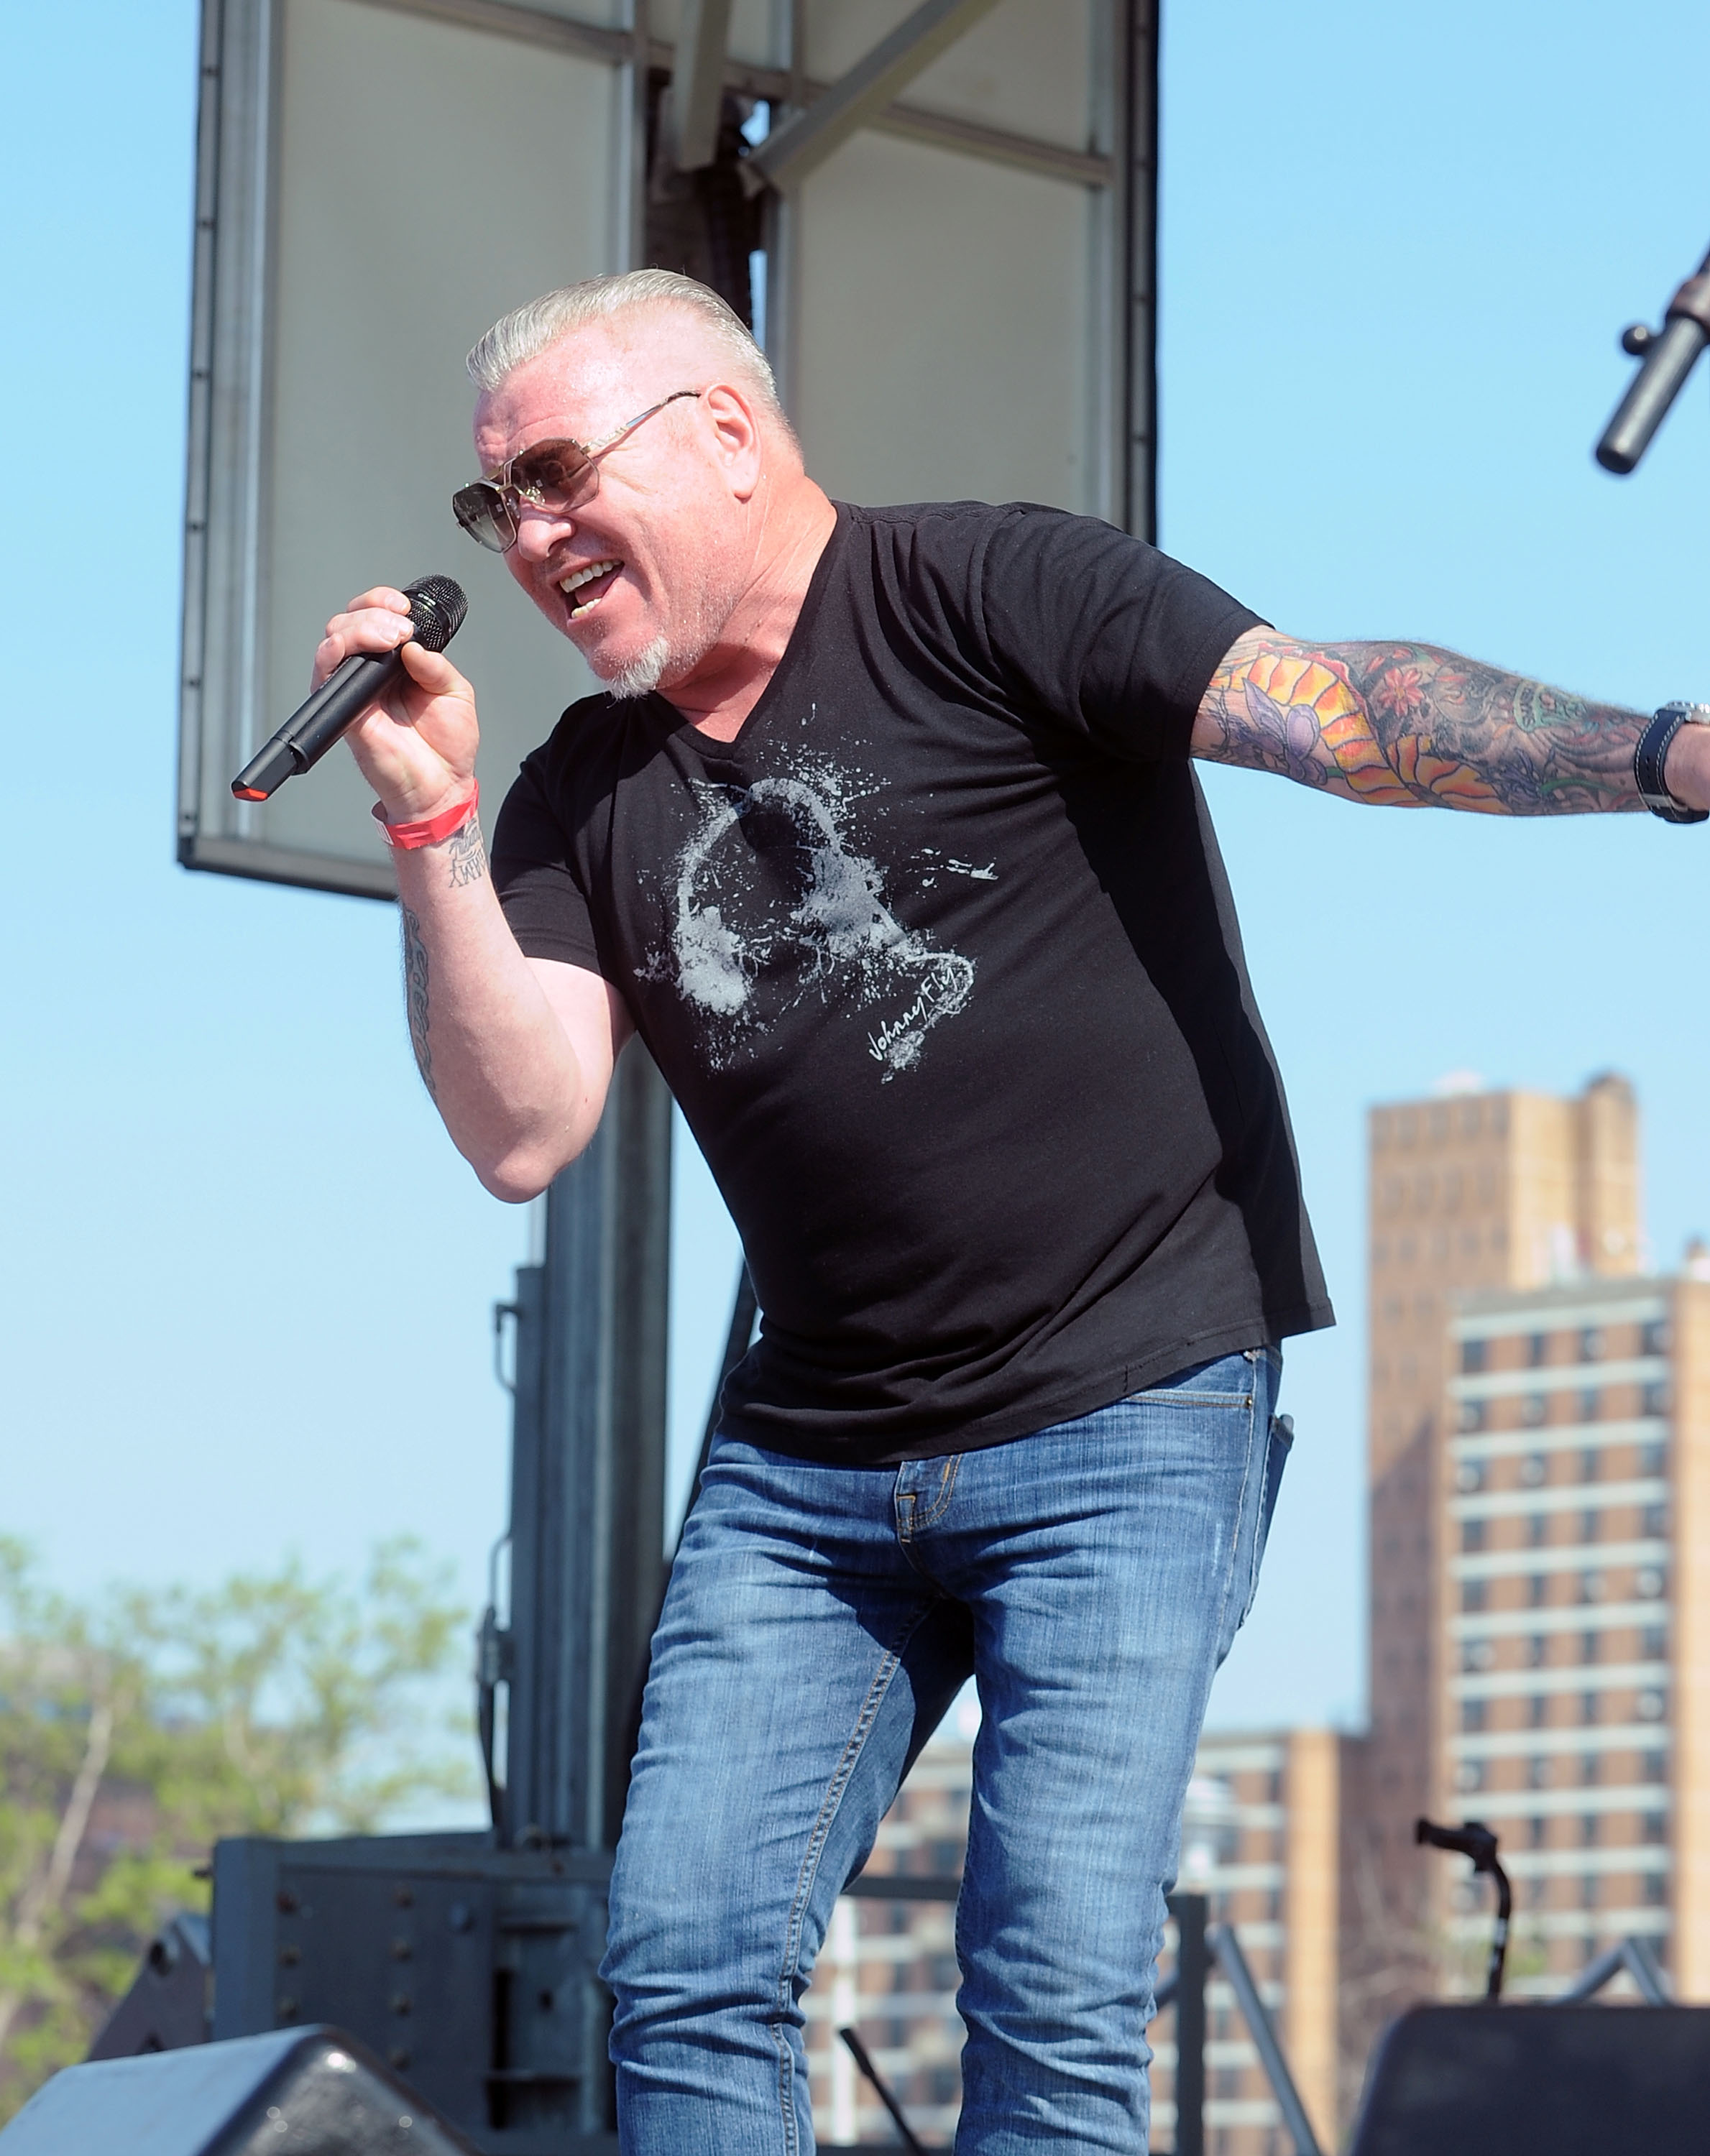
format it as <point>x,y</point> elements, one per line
<point>824,927</point>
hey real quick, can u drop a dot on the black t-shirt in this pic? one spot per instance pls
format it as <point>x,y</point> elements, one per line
<point>939,958</point>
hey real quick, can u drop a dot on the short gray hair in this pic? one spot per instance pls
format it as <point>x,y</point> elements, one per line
<point>527,332</point>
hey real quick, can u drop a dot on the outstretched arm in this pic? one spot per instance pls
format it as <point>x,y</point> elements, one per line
<point>1407,726</point>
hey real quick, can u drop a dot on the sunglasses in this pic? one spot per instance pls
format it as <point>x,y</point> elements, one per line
<point>551,475</point>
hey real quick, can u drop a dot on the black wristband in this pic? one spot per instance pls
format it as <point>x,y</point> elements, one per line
<point>1648,759</point>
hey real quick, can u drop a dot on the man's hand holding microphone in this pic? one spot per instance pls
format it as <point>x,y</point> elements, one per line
<point>517,1053</point>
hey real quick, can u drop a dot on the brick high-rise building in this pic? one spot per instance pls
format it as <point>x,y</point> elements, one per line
<point>1574,1713</point>
<point>1488,1191</point>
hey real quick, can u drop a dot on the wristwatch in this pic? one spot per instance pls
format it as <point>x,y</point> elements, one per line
<point>1653,752</point>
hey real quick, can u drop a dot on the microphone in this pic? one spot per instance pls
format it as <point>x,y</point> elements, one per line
<point>437,607</point>
<point>1669,355</point>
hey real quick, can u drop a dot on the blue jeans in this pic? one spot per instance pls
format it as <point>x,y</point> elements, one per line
<point>818,1623</point>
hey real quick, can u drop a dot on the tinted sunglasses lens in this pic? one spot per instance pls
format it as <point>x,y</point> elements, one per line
<point>550,473</point>
<point>480,510</point>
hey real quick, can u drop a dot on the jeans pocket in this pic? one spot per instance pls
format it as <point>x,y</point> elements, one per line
<point>1279,1441</point>
<point>1224,1382</point>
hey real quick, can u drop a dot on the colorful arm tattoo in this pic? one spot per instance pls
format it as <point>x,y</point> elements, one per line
<point>1405,726</point>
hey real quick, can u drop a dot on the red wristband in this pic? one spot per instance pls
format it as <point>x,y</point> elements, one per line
<point>405,838</point>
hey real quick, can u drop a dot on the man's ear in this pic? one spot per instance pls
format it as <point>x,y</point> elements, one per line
<point>737,436</point>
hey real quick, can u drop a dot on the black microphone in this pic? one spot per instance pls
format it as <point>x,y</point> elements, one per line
<point>437,607</point>
<point>1669,355</point>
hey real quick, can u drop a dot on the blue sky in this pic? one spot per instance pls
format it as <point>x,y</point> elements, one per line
<point>1398,247</point>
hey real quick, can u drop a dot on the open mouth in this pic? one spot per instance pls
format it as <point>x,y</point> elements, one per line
<point>585,588</point>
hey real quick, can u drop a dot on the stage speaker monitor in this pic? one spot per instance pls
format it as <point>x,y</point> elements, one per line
<point>1522,2079</point>
<point>310,2091</point>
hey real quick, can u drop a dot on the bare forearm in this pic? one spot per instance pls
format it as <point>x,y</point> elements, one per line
<point>1407,725</point>
<point>502,1072</point>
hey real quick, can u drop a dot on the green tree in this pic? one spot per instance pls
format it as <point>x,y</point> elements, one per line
<point>272,1704</point>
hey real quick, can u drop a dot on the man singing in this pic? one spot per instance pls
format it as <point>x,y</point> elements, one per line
<point>884,838</point>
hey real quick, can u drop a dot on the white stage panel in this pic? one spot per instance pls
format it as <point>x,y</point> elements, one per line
<point>943,323</point>
<point>948,328</point>
<point>425,176</point>
<point>1028,67</point>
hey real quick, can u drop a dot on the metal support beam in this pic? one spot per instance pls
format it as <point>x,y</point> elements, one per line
<point>692,103</point>
<point>587,1488</point>
<point>1138,206</point>
<point>1188,1992</point>
<point>1638,1958</point>
<point>803,144</point>
<point>1227,1949</point>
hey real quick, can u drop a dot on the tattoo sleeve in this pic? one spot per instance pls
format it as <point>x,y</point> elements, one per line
<point>1404,724</point>
<point>415,997</point>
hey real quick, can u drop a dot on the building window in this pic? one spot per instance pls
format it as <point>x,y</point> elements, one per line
<point>1472,1713</point>
<point>1590,1344</point>
<point>1590,1827</point>
<point>1536,1590</point>
<point>1538,1831</point>
<point>1473,1414</point>
<point>1472,1592</point>
<point>1590,1526</point>
<point>1534,1409</point>
<point>1539,1650</point>
<point>1588,1890</point>
<point>1654,1401</point>
<point>1656,1767</point>
<point>1654,1643</point>
<point>1648,1582</point>
<point>1590,1464</point>
<point>1589,1706</point>
<point>1655,1888</point>
<point>1537,1529</point>
<point>1591,1586</point>
<point>1590,1768</point>
<point>1475,1355</point>
<point>1537,1350</point>
<point>1651,1705</point>
<point>1534,1469</point>
<point>1653,1459</point>
<point>1656,1522</point>
<point>1476,1653</point>
<point>1653,1339</point>
<point>1590,1404</point>
<point>1469,1775</point>
<point>1656,1827</point>
<point>1538,1707</point>
<point>1471,1475</point>
<point>1472,1534</point>
<point>1537,1773</point>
